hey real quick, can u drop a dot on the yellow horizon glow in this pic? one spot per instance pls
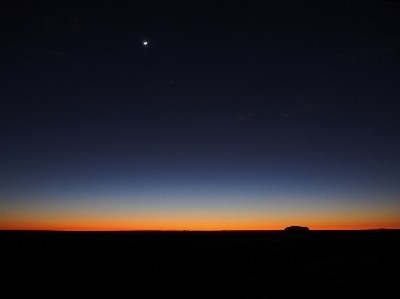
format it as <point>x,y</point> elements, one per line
<point>121,225</point>
<point>212,217</point>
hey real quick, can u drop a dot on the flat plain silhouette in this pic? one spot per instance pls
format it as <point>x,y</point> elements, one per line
<point>251,264</point>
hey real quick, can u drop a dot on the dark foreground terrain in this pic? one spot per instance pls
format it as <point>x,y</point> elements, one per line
<point>265,264</point>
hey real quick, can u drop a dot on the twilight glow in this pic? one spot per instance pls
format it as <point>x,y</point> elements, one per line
<point>269,122</point>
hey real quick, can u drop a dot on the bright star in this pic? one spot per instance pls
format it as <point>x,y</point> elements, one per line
<point>145,43</point>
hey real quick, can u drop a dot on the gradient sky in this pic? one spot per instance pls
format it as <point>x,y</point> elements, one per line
<point>235,115</point>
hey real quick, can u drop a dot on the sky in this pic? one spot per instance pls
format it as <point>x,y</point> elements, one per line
<point>199,115</point>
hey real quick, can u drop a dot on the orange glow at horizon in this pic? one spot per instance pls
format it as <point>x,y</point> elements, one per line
<point>183,223</point>
<point>84,216</point>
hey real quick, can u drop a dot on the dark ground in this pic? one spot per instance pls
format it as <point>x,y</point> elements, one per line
<point>266,264</point>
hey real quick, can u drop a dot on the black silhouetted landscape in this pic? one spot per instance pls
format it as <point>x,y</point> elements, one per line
<point>227,264</point>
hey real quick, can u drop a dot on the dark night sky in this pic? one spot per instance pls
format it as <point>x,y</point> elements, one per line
<point>235,115</point>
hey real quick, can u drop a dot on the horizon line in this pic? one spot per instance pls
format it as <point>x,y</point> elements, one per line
<point>186,230</point>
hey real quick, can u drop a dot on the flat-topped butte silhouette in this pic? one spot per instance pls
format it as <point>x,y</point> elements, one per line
<point>297,228</point>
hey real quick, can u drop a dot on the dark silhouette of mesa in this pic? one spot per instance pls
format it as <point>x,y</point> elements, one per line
<point>296,228</point>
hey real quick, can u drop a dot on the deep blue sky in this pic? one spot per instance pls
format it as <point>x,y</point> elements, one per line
<point>259,107</point>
